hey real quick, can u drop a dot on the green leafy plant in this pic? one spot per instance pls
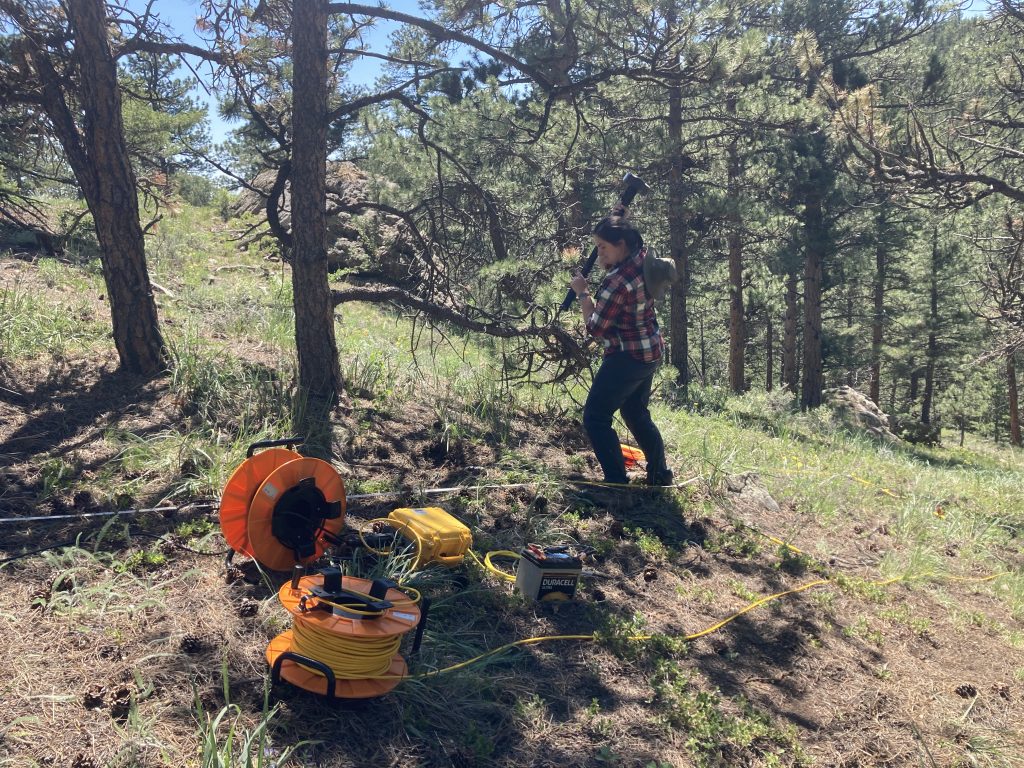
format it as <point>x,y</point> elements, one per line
<point>231,739</point>
<point>649,543</point>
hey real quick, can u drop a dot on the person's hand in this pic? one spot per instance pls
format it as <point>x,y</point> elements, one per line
<point>579,283</point>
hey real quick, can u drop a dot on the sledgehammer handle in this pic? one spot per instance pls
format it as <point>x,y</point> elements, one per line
<point>634,186</point>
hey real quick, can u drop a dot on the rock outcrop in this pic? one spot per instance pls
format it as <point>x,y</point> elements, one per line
<point>748,489</point>
<point>369,242</point>
<point>859,413</point>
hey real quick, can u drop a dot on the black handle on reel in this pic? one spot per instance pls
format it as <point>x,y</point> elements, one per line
<point>286,442</point>
<point>634,186</point>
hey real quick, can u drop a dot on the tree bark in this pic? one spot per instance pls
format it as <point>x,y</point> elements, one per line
<point>814,255</point>
<point>703,355</point>
<point>769,350</point>
<point>932,350</point>
<point>679,320</point>
<point>92,136</point>
<point>790,377</point>
<point>1011,389</point>
<point>319,370</point>
<point>878,310</point>
<point>850,346</point>
<point>737,326</point>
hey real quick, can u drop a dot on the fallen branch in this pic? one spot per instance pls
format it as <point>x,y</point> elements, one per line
<point>237,267</point>
<point>559,346</point>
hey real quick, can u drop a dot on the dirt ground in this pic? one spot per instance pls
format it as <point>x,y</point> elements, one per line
<point>107,666</point>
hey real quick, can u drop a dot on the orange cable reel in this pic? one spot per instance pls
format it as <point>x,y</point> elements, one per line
<point>281,508</point>
<point>345,635</point>
<point>293,509</point>
<point>241,490</point>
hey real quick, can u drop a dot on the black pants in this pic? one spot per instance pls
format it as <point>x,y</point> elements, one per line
<point>623,384</point>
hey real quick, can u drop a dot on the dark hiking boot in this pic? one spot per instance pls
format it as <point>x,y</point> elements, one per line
<point>662,478</point>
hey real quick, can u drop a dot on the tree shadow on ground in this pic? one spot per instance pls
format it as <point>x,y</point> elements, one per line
<point>69,410</point>
<point>662,511</point>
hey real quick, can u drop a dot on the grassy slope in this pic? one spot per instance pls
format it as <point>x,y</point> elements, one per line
<point>131,649</point>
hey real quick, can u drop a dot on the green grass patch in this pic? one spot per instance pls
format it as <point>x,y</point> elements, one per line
<point>31,324</point>
<point>719,731</point>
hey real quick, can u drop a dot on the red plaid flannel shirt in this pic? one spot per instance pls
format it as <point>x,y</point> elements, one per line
<point>623,316</point>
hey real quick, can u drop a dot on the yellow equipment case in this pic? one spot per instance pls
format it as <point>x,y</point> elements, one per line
<point>442,539</point>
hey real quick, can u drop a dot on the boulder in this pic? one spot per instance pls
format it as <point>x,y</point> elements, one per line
<point>748,489</point>
<point>859,413</point>
<point>369,241</point>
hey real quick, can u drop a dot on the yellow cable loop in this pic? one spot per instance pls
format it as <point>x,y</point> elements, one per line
<point>395,603</point>
<point>349,658</point>
<point>348,608</point>
<point>490,567</point>
<point>640,638</point>
<point>707,631</point>
<point>403,529</point>
<point>403,604</point>
<point>371,658</point>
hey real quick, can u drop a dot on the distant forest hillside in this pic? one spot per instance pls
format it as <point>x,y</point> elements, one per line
<point>838,182</point>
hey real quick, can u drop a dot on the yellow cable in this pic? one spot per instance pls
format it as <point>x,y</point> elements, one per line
<point>868,483</point>
<point>397,604</point>
<point>403,529</point>
<point>370,658</point>
<point>349,608</point>
<point>349,658</point>
<point>340,649</point>
<point>780,542</point>
<point>640,638</point>
<point>411,601</point>
<point>707,631</point>
<point>487,565</point>
<point>753,605</point>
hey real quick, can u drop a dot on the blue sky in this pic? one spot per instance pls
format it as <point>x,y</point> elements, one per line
<point>180,16</point>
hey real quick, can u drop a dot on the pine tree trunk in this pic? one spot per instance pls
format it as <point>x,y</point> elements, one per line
<point>851,347</point>
<point>737,329</point>
<point>878,312</point>
<point>703,355</point>
<point>814,230</point>
<point>570,215</point>
<point>98,155</point>
<point>790,376</point>
<point>319,370</point>
<point>769,342</point>
<point>932,350</point>
<point>1011,389</point>
<point>678,318</point>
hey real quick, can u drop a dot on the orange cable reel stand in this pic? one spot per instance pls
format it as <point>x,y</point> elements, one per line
<point>283,510</point>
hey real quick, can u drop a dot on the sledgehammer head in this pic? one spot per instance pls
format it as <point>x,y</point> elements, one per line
<point>634,186</point>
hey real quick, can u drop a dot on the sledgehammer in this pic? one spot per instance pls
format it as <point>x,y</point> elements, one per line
<point>634,186</point>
